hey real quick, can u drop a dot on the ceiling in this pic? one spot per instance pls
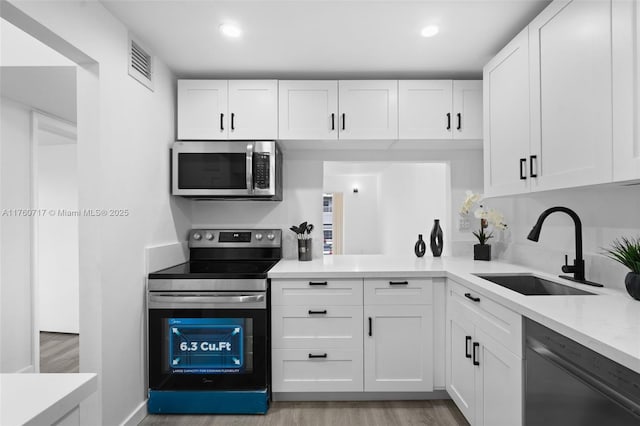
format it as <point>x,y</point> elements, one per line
<point>326,39</point>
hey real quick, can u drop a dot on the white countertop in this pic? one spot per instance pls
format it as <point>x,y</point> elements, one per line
<point>608,323</point>
<point>42,399</point>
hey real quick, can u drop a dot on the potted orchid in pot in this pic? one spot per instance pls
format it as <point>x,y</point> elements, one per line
<point>491,217</point>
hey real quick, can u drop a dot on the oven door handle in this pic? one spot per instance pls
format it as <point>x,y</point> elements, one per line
<point>166,299</point>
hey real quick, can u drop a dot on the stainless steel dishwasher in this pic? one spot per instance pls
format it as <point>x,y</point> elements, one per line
<point>568,384</point>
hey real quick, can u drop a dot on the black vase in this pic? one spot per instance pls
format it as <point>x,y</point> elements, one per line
<point>420,246</point>
<point>436,238</point>
<point>481,252</point>
<point>632,282</point>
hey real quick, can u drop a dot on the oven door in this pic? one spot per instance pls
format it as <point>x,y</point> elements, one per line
<point>207,340</point>
<point>224,169</point>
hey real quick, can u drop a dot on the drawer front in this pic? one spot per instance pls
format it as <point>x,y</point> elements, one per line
<point>332,371</point>
<point>398,291</point>
<point>316,326</point>
<point>502,324</point>
<point>316,292</point>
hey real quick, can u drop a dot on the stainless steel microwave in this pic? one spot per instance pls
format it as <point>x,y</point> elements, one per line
<point>233,170</point>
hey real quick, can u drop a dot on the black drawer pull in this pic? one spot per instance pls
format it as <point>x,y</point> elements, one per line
<point>532,167</point>
<point>344,121</point>
<point>317,283</point>
<point>333,121</point>
<point>469,296</point>
<point>370,327</point>
<point>233,125</point>
<point>448,121</point>
<point>476,345</point>
<point>467,340</point>
<point>459,121</point>
<point>221,121</point>
<point>318,312</point>
<point>317,356</point>
<point>523,172</point>
<point>398,282</point>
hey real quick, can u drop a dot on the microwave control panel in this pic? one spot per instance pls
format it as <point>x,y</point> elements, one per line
<point>261,171</point>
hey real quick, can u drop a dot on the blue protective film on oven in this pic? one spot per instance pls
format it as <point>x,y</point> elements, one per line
<point>206,345</point>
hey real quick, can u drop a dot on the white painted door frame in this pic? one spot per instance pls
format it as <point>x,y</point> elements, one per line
<point>40,122</point>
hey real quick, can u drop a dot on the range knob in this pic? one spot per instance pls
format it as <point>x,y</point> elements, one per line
<point>197,236</point>
<point>259,236</point>
<point>270,236</point>
<point>208,236</point>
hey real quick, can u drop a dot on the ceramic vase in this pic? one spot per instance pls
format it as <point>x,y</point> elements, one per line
<point>421,247</point>
<point>632,282</point>
<point>436,238</point>
<point>482,252</point>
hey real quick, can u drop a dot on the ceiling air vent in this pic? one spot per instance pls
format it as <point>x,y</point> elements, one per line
<point>140,64</point>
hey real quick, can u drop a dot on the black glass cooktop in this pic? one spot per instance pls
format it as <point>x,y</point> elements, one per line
<point>216,269</point>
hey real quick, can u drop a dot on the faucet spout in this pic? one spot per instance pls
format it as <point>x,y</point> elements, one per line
<point>578,264</point>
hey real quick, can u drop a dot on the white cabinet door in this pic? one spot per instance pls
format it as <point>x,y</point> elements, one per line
<point>499,398</point>
<point>467,109</point>
<point>626,89</point>
<point>571,110</point>
<point>202,109</point>
<point>308,109</point>
<point>253,109</point>
<point>460,372</point>
<point>506,119</point>
<point>425,109</point>
<point>368,109</point>
<point>398,348</point>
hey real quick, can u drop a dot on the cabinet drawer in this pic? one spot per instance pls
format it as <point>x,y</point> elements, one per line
<point>316,292</point>
<point>308,327</point>
<point>398,291</point>
<point>294,370</point>
<point>502,324</point>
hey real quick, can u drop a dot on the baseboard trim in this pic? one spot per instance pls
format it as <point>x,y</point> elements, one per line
<point>137,415</point>
<point>27,369</point>
<point>359,396</point>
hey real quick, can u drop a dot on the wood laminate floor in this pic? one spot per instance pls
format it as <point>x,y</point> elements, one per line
<point>360,413</point>
<point>59,352</point>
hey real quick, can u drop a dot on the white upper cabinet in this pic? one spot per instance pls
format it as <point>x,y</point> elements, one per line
<point>506,119</point>
<point>425,110</point>
<point>253,109</point>
<point>202,109</point>
<point>626,89</point>
<point>223,109</point>
<point>368,109</point>
<point>467,108</point>
<point>571,106</point>
<point>308,109</point>
<point>440,109</point>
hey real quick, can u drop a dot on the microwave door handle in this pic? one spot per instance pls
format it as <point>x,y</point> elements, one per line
<point>250,168</point>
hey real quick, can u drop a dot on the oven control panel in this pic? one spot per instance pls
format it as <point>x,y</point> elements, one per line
<point>204,238</point>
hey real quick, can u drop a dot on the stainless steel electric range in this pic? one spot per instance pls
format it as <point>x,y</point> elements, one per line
<point>208,324</point>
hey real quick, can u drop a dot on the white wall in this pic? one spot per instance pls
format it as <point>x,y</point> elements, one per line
<point>606,213</point>
<point>361,223</point>
<point>15,238</point>
<point>130,157</point>
<point>302,198</point>
<point>57,245</point>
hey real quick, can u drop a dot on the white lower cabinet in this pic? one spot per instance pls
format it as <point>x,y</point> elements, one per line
<point>352,335</point>
<point>484,358</point>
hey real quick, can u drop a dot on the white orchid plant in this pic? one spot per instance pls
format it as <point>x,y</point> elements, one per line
<point>487,217</point>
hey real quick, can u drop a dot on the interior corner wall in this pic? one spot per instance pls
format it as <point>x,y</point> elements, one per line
<point>15,242</point>
<point>136,129</point>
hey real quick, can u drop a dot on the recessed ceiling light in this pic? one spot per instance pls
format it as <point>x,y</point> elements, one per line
<point>230,30</point>
<point>430,31</point>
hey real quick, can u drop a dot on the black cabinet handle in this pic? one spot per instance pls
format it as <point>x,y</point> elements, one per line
<point>523,172</point>
<point>476,345</point>
<point>448,121</point>
<point>221,121</point>
<point>459,121</point>
<point>469,296</point>
<point>532,167</point>
<point>233,126</point>
<point>318,312</point>
<point>398,282</point>
<point>317,356</point>
<point>344,119</point>
<point>467,340</point>
<point>333,121</point>
<point>370,327</point>
<point>317,283</point>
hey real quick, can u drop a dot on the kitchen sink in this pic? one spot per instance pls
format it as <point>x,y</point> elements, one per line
<point>531,285</point>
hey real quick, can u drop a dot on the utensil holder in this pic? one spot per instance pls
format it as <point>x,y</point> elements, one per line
<point>304,250</point>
